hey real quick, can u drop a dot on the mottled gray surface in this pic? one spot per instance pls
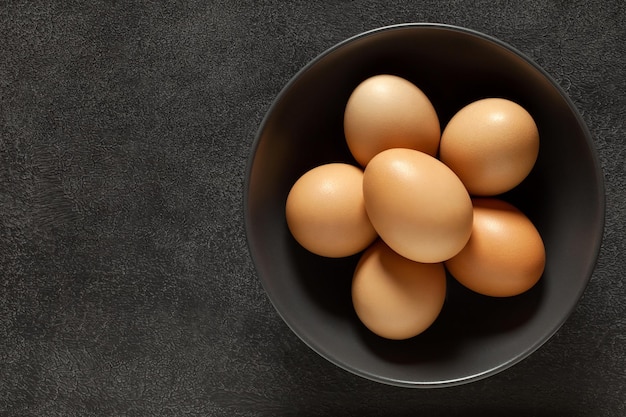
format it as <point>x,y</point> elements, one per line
<point>126,287</point>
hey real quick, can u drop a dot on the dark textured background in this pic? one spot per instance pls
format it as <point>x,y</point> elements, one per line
<point>126,287</point>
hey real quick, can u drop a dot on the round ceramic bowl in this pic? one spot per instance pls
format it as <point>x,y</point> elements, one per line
<point>474,336</point>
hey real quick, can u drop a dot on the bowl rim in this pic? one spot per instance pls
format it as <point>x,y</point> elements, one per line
<point>600,198</point>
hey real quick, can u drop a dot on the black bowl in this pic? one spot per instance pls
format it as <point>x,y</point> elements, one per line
<point>475,336</point>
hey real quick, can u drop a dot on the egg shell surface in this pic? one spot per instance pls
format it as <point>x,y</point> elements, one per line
<point>394,297</point>
<point>418,206</point>
<point>491,144</point>
<point>386,111</point>
<point>325,211</point>
<point>505,255</point>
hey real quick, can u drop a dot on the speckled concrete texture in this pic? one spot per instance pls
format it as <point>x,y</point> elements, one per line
<point>126,287</point>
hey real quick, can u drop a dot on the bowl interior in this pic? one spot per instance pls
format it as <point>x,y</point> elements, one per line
<point>474,336</point>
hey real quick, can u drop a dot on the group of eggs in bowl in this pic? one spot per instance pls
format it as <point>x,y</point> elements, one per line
<point>474,336</point>
<point>409,204</point>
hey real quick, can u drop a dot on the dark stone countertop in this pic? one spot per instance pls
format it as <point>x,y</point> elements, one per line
<point>126,287</point>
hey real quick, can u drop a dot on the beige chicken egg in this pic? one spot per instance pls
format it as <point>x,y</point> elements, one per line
<point>505,255</point>
<point>395,297</point>
<point>387,111</point>
<point>491,144</point>
<point>325,211</point>
<point>418,206</point>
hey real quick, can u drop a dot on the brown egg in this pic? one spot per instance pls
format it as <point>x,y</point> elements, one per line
<point>418,206</point>
<point>326,213</point>
<point>505,255</point>
<point>491,144</point>
<point>394,297</point>
<point>386,111</point>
